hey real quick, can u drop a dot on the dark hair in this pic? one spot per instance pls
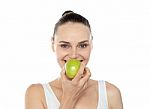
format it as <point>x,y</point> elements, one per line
<point>70,16</point>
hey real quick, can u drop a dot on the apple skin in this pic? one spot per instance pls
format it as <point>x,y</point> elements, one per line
<point>72,66</point>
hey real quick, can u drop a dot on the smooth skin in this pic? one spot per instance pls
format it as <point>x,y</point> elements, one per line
<point>73,40</point>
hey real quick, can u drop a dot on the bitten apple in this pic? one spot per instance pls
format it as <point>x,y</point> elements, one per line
<point>72,66</point>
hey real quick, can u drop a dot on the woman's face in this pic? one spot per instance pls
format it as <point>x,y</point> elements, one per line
<point>72,41</point>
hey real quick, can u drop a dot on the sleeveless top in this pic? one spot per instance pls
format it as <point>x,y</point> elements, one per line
<point>53,103</point>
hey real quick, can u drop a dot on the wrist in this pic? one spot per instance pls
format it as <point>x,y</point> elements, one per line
<point>67,102</point>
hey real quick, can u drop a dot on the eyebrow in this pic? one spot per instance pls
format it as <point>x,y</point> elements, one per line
<point>63,42</point>
<point>69,42</point>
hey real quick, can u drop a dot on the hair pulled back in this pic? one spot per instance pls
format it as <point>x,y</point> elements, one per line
<point>70,16</point>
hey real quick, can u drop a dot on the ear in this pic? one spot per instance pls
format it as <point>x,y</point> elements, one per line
<point>52,44</point>
<point>91,44</point>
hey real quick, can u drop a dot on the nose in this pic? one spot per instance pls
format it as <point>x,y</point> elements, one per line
<point>74,53</point>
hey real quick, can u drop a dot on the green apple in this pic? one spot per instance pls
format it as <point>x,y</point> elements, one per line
<point>72,66</point>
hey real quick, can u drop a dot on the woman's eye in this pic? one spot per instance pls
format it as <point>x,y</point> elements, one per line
<point>83,45</point>
<point>64,46</point>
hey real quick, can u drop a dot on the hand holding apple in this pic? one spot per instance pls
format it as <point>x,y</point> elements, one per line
<point>74,88</point>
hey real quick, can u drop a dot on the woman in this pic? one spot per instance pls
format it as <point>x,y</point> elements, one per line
<point>72,39</point>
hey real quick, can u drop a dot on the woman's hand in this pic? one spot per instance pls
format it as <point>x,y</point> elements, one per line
<point>73,89</point>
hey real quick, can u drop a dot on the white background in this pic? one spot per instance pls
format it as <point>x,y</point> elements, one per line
<point>121,53</point>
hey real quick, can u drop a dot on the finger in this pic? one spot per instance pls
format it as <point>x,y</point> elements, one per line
<point>86,76</point>
<point>80,72</point>
<point>84,86</point>
<point>63,73</point>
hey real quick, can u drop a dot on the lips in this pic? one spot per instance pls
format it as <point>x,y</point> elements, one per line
<point>81,60</point>
<point>66,61</point>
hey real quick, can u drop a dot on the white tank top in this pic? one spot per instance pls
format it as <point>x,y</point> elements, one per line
<point>53,103</point>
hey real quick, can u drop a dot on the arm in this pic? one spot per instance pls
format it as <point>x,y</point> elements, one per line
<point>33,97</point>
<point>114,97</point>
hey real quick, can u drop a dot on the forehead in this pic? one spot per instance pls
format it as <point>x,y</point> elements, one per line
<point>72,32</point>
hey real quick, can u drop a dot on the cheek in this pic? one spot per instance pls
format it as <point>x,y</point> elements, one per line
<point>60,53</point>
<point>86,53</point>
<point>86,56</point>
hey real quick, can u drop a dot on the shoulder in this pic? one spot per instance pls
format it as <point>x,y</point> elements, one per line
<point>34,90</point>
<point>112,89</point>
<point>34,97</point>
<point>114,96</point>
